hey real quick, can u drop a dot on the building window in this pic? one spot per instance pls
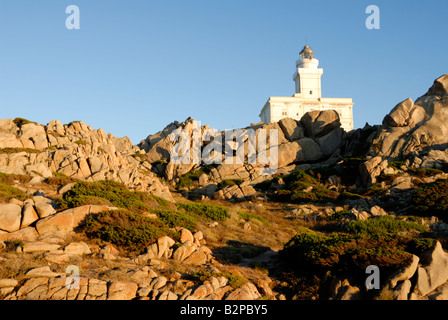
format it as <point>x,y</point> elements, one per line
<point>284,113</point>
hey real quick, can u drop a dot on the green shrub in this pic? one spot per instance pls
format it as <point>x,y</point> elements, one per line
<point>431,198</point>
<point>114,192</point>
<point>21,121</point>
<point>312,249</point>
<point>322,173</point>
<point>299,180</point>
<point>17,150</point>
<point>8,192</point>
<point>264,185</point>
<point>426,172</point>
<point>72,122</point>
<point>188,179</point>
<point>419,245</point>
<point>397,164</point>
<point>10,178</point>
<point>139,156</point>
<point>250,216</point>
<point>59,179</point>
<point>199,276</point>
<point>341,251</point>
<point>235,280</point>
<point>81,142</point>
<point>383,227</point>
<point>129,230</point>
<point>176,218</point>
<point>229,182</point>
<point>339,215</point>
<point>208,211</point>
<point>208,168</point>
<point>375,190</point>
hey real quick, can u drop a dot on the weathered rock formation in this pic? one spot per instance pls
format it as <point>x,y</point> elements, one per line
<point>315,138</point>
<point>76,150</point>
<point>414,131</point>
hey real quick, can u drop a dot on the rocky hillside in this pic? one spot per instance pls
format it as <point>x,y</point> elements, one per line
<point>75,150</point>
<point>137,225</point>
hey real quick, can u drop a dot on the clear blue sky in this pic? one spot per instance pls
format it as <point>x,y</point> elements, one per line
<point>136,65</point>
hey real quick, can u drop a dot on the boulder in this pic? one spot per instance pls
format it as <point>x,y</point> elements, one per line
<point>164,244</point>
<point>10,217</point>
<point>5,283</point>
<point>434,271</point>
<point>291,128</point>
<point>343,290</point>
<point>405,273</point>
<point>41,272</point>
<point>319,123</point>
<point>302,150</point>
<point>122,290</point>
<point>246,292</point>
<point>33,136</point>
<point>372,168</point>
<point>310,150</point>
<point>44,209</point>
<point>186,235</point>
<point>181,253</point>
<point>39,169</point>
<point>404,114</point>
<point>29,215</point>
<point>78,248</point>
<point>158,282</point>
<point>198,257</point>
<point>439,87</point>
<point>414,128</point>
<point>401,291</point>
<point>330,142</point>
<point>25,234</point>
<point>377,211</point>
<point>40,247</point>
<point>62,223</point>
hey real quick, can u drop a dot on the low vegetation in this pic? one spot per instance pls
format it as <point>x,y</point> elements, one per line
<point>126,229</point>
<point>129,227</point>
<point>431,198</point>
<point>234,280</point>
<point>386,242</point>
<point>59,179</point>
<point>107,192</point>
<point>21,121</point>
<point>229,182</point>
<point>189,179</point>
<point>17,150</point>
<point>81,142</point>
<point>205,210</point>
<point>301,187</point>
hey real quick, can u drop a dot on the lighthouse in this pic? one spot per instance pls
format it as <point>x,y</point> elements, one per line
<point>307,76</point>
<point>307,96</point>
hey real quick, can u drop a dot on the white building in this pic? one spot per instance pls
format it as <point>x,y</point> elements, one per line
<point>308,95</point>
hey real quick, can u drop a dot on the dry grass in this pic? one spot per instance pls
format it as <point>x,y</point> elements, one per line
<point>17,265</point>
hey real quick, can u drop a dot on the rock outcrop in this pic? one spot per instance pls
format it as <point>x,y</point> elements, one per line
<point>415,131</point>
<point>76,150</point>
<point>144,275</point>
<point>315,138</point>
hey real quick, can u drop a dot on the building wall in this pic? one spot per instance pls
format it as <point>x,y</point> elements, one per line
<point>308,82</point>
<point>278,108</point>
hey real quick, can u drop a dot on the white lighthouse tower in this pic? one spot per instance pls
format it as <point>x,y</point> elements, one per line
<point>307,96</point>
<point>307,77</point>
